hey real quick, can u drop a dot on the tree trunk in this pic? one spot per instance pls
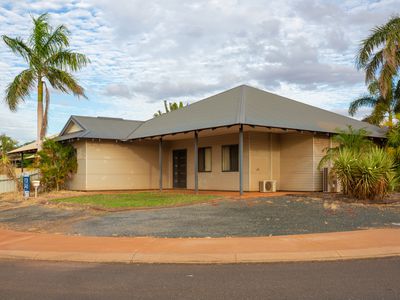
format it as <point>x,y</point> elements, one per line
<point>390,117</point>
<point>39,114</point>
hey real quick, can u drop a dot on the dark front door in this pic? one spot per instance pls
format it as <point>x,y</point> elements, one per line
<point>179,169</point>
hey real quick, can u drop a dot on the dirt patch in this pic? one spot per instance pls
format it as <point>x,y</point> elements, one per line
<point>393,199</point>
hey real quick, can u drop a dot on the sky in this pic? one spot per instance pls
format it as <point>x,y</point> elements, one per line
<point>144,52</point>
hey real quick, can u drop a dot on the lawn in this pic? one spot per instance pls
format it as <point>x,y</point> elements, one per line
<point>142,200</point>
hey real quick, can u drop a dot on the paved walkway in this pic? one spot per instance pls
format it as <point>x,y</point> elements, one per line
<point>310,247</point>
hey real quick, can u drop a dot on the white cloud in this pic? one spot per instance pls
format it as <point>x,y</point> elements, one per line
<point>143,52</point>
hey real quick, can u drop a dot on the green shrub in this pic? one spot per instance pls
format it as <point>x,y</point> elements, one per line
<point>365,175</point>
<point>57,163</point>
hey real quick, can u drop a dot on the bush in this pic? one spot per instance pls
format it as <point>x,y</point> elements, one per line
<point>365,175</point>
<point>57,163</point>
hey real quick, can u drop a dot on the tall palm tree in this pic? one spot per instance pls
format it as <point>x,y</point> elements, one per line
<point>383,108</point>
<point>49,64</point>
<point>379,55</point>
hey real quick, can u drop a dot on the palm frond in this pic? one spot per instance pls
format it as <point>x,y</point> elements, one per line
<point>65,82</point>
<point>385,80</point>
<point>373,66</point>
<point>58,38</point>
<point>365,101</point>
<point>378,114</point>
<point>377,37</point>
<point>18,46</point>
<point>373,88</point>
<point>20,88</point>
<point>68,60</point>
<point>40,33</point>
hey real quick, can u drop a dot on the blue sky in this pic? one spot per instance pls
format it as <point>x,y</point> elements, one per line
<point>143,52</point>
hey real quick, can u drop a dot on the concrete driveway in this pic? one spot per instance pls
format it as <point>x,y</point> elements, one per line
<point>283,215</point>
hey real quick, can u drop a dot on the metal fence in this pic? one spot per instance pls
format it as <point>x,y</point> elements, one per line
<point>8,185</point>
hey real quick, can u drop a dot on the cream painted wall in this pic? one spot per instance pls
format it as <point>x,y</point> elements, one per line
<point>78,181</point>
<point>216,179</point>
<point>296,162</point>
<point>120,166</point>
<point>300,156</point>
<point>72,127</point>
<point>264,158</point>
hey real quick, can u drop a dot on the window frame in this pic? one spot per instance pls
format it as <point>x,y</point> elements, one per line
<point>198,158</point>
<point>230,159</point>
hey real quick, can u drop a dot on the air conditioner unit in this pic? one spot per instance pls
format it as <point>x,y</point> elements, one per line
<point>268,186</point>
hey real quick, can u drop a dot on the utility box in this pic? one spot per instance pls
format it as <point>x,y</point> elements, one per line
<point>26,180</point>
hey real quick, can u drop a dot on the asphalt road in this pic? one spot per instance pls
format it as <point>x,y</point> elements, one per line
<point>362,279</point>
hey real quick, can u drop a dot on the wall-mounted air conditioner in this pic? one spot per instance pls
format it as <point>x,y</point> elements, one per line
<point>268,186</point>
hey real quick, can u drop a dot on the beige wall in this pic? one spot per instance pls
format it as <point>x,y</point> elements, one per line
<point>300,155</point>
<point>264,158</point>
<point>216,179</point>
<point>117,166</point>
<point>72,127</point>
<point>291,159</point>
<point>78,181</point>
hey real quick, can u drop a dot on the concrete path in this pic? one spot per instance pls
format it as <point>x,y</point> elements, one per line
<point>310,247</point>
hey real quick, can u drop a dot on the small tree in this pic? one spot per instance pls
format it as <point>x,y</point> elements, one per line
<point>6,167</point>
<point>353,139</point>
<point>57,163</point>
<point>169,106</point>
<point>368,175</point>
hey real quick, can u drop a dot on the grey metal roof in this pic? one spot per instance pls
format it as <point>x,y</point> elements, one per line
<point>241,105</point>
<point>99,128</point>
<point>250,106</point>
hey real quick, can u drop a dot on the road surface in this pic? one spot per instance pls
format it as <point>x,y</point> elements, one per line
<point>361,279</point>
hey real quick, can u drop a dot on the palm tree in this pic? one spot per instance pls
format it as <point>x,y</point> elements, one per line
<point>49,63</point>
<point>170,106</point>
<point>383,108</point>
<point>379,55</point>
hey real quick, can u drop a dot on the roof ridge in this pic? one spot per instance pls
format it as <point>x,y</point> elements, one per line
<point>127,137</point>
<point>241,114</point>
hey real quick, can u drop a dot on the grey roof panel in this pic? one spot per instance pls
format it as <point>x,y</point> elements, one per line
<point>240,105</point>
<point>248,105</point>
<point>100,128</point>
<point>219,110</point>
<point>267,109</point>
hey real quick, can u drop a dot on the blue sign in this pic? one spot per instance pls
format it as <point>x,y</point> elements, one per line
<point>27,185</point>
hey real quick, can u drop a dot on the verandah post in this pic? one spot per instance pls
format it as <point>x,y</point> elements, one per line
<point>196,162</point>
<point>241,159</point>
<point>160,164</point>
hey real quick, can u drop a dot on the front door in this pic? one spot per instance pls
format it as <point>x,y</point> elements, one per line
<point>179,168</point>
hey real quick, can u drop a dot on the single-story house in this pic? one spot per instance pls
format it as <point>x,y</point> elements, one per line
<point>229,141</point>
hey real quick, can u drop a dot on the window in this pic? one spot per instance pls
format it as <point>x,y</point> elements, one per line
<point>230,158</point>
<point>205,159</point>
